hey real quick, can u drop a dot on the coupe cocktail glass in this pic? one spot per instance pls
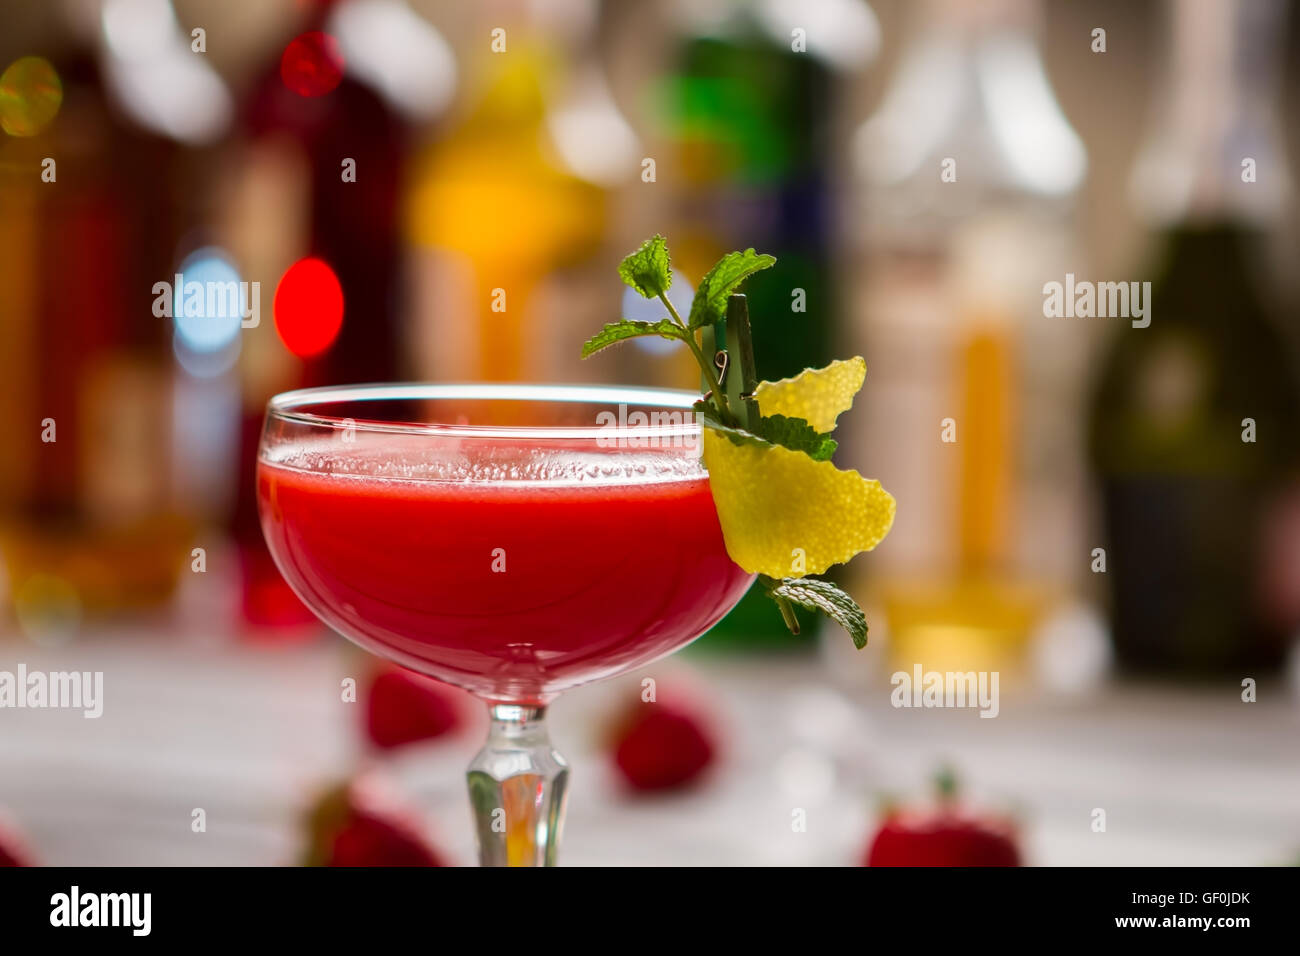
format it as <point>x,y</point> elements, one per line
<point>513,540</point>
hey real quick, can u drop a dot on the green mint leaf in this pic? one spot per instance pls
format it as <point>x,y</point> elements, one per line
<point>710,304</point>
<point>792,433</point>
<point>616,332</point>
<point>797,435</point>
<point>825,597</point>
<point>647,270</point>
<point>708,417</point>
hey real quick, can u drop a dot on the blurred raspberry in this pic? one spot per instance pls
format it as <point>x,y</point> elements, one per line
<point>403,707</point>
<point>663,745</point>
<point>369,840</point>
<point>945,835</point>
<point>13,851</point>
<point>358,824</point>
<point>943,839</point>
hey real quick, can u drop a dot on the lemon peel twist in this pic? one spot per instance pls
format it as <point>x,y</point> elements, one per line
<point>817,395</point>
<point>782,513</point>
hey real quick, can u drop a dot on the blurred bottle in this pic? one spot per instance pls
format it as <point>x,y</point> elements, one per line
<point>751,105</point>
<point>970,413</point>
<point>509,210</point>
<point>319,170</point>
<point>97,525</point>
<point>1187,482</point>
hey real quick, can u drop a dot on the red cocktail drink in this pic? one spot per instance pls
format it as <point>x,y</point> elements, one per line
<point>513,540</point>
<point>514,590</point>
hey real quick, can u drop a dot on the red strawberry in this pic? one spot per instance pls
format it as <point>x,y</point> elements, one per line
<point>371,840</point>
<point>13,851</point>
<point>943,836</point>
<point>663,744</point>
<point>403,707</point>
<point>356,824</point>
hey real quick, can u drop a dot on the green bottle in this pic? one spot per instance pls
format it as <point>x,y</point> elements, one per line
<point>750,119</point>
<point>1195,424</point>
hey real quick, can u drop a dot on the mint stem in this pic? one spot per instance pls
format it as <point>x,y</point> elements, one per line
<point>711,376</point>
<point>787,614</point>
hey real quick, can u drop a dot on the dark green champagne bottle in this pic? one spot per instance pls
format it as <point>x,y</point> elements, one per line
<point>1195,424</point>
<point>1184,494</point>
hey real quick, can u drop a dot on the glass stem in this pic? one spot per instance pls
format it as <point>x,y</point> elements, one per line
<point>517,788</point>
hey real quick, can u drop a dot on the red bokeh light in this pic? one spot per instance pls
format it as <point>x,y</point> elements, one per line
<point>308,307</point>
<point>312,64</point>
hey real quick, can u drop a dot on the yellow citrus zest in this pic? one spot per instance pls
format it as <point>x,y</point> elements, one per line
<point>817,395</point>
<point>785,515</point>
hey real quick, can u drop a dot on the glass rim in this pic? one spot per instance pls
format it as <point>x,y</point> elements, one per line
<point>287,406</point>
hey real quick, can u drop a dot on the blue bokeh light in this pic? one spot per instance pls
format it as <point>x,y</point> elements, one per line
<point>208,317</point>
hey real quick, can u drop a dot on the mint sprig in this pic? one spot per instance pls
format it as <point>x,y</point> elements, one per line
<point>649,272</point>
<point>792,433</point>
<point>616,332</point>
<point>797,435</point>
<point>819,595</point>
<point>710,304</point>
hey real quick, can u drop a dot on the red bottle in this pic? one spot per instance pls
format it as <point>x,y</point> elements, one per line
<point>310,128</point>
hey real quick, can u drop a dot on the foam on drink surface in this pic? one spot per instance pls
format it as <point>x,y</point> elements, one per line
<point>478,461</point>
